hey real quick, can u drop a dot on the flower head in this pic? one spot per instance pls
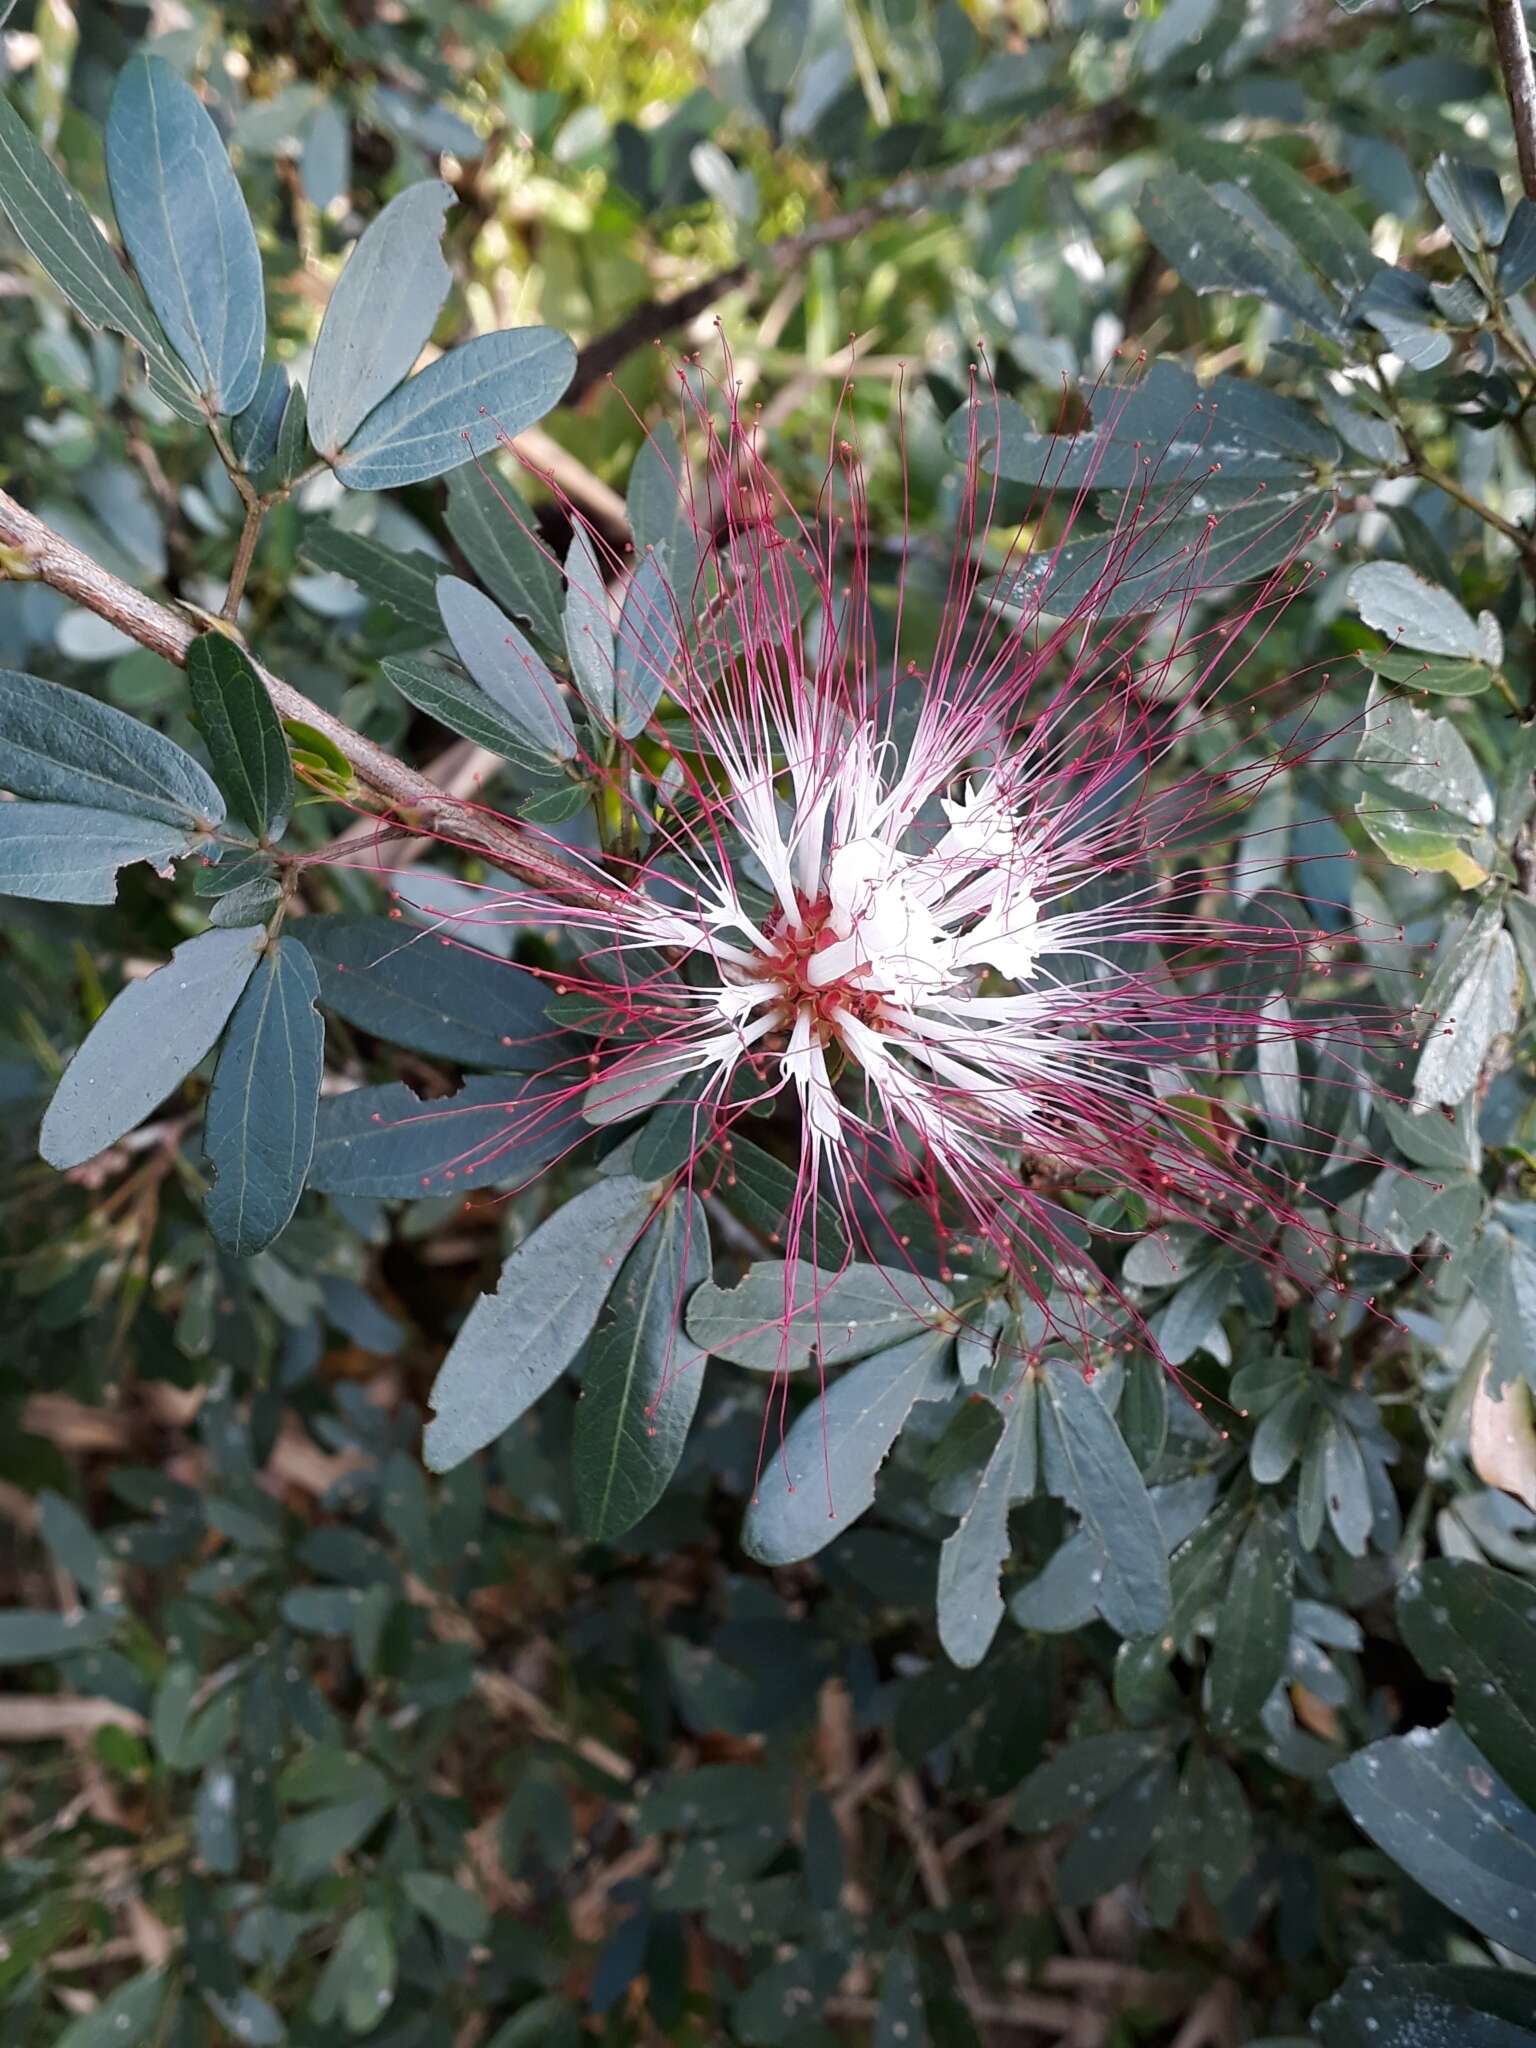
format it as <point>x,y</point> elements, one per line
<point>935,863</point>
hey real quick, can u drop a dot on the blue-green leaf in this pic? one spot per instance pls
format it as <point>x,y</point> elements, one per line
<point>416,988</point>
<point>260,1129</point>
<point>233,712</point>
<point>123,2019</point>
<point>67,853</point>
<point>64,747</point>
<point>1417,2005</point>
<point>650,641</point>
<point>1087,1465</point>
<point>971,1561</point>
<point>1253,1625</point>
<point>458,407</point>
<point>516,1342</point>
<point>146,1043</point>
<point>464,708</point>
<point>503,662</point>
<point>488,523</point>
<point>388,1142</point>
<point>588,629</point>
<point>1436,1805</point>
<point>823,1477</point>
<point>185,222</point>
<point>1475,1628</point>
<point>357,1985</point>
<point>56,229</point>
<point>642,1377</point>
<point>380,314</point>
<point>777,1315</point>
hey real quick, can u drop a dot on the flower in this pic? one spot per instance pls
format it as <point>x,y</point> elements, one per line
<point>972,914</point>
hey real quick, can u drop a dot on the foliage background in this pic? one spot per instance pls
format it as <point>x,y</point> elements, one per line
<point>300,1739</point>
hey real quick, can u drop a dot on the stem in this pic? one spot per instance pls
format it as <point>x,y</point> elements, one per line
<point>240,568</point>
<point>1452,489</point>
<point>1514,47</point>
<point>30,548</point>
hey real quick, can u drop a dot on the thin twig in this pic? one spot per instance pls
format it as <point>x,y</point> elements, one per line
<point>407,798</point>
<point>1513,42</point>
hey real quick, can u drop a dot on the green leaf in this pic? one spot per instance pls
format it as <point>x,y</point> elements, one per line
<point>1159,563</point>
<point>146,1043</point>
<point>649,646</point>
<point>1345,1486</point>
<point>123,2019</point>
<point>642,1377</point>
<point>457,1912</point>
<point>234,714</point>
<point>357,1985</point>
<point>504,662</point>
<point>185,222</point>
<point>762,1189</point>
<point>1086,1464</point>
<point>406,583</point>
<point>1082,1776</point>
<point>413,987</point>
<point>57,231</point>
<point>1215,247</point>
<point>260,1128</point>
<point>68,853</point>
<point>72,1542</point>
<point>588,631</point>
<point>1113,1847</point>
<point>488,522</point>
<point>1414,612</point>
<point>380,314</point>
<point>776,1315</point>
<point>1254,435</point>
<point>1512,1302</point>
<point>516,1342</point>
<point>1426,802</point>
<point>306,1848</point>
<point>970,1605</point>
<point>64,747</point>
<point>1469,199</point>
<point>823,1477</point>
<point>1417,2005</point>
<point>1472,997</point>
<point>1322,227</point>
<point>1438,674</point>
<point>466,709</point>
<point>457,407</point>
<point>1253,1626</point>
<point>35,1635</point>
<point>1475,1628</point>
<point>660,514</point>
<point>1432,1801</point>
<point>1517,253</point>
<point>388,1142</point>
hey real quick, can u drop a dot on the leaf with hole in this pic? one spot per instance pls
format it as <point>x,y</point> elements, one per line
<point>68,853</point>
